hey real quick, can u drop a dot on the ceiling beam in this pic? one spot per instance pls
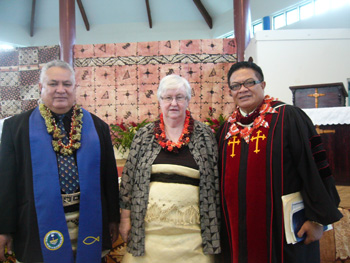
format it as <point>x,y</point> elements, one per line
<point>83,14</point>
<point>204,13</point>
<point>32,19</point>
<point>149,14</point>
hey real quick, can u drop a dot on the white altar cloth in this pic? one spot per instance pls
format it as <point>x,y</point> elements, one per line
<point>329,116</point>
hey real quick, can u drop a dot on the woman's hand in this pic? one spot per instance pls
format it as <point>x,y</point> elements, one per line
<point>314,232</point>
<point>113,231</point>
<point>125,224</point>
<point>5,241</point>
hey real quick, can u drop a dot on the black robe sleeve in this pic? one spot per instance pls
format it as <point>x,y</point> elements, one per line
<point>7,181</point>
<point>109,173</point>
<point>109,181</point>
<point>318,189</point>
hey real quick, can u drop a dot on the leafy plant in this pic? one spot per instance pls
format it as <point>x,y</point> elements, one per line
<point>214,123</point>
<point>123,134</point>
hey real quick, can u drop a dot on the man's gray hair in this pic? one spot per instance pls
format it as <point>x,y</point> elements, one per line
<point>59,64</point>
<point>173,82</point>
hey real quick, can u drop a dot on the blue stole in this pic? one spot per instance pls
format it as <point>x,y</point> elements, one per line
<point>53,230</point>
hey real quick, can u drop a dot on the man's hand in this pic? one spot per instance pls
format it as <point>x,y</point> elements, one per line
<point>5,241</point>
<point>314,232</point>
<point>114,231</point>
<point>125,224</point>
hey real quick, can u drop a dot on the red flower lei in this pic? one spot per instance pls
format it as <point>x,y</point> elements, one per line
<point>258,122</point>
<point>159,132</point>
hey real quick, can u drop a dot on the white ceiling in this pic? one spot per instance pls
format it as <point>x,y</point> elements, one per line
<point>113,21</point>
<point>110,11</point>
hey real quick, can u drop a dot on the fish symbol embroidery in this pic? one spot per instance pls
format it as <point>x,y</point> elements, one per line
<point>90,240</point>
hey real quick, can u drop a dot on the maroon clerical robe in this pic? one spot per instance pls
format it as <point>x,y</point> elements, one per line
<point>283,156</point>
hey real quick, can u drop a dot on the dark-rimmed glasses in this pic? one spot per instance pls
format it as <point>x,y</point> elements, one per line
<point>247,84</point>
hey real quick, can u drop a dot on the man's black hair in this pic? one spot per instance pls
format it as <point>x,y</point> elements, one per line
<point>245,64</point>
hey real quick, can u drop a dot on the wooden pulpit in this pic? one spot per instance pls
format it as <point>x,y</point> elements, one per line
<point>333,124</point>
<point>319,95</point>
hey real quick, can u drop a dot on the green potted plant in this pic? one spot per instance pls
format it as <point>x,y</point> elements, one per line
<point>122,136</point>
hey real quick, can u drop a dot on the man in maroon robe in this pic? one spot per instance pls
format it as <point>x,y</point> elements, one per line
<point>269,149</point>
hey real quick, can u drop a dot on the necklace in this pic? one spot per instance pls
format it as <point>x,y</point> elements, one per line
<point>259,121</point>
<point>74,135</point>
<point>159,132</point>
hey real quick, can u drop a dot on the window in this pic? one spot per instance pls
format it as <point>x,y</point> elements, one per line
<point>257,27</point>
<point>339,3</point>
<point>6,47</point>
<point>306,10</point>
<point>302,10</point>
<point>321,6</point>
<point>292,16</point>
<point>279,21</point>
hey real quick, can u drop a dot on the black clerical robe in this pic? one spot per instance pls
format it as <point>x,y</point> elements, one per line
<point>17,209</point>
<point>284,158</point>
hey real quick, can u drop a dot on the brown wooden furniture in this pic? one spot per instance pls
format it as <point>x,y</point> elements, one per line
<point>336,140</point>
<point>333,125</point>
<point>319,95</point>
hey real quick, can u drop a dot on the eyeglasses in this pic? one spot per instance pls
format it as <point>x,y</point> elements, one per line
<point>248,83</point>
<point>170,99</point>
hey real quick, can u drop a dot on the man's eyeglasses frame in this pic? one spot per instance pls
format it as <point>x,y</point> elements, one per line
<point>235,86</point>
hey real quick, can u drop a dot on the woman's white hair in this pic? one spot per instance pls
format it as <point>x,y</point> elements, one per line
<point>173,82</point>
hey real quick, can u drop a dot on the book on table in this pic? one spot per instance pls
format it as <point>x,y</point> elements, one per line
<point>294,217</point>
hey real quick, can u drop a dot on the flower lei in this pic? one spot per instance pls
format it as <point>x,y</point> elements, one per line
<point>159,132</point>
<point>258,122</point>
<point>74,135</point>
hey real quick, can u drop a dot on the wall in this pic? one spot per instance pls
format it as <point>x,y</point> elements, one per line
<point>118,82</point>
<point>19,77</point>
<point>301,57</point>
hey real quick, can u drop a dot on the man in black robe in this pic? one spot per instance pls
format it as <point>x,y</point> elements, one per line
<point>267,150</point>
<point>59,182</point>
